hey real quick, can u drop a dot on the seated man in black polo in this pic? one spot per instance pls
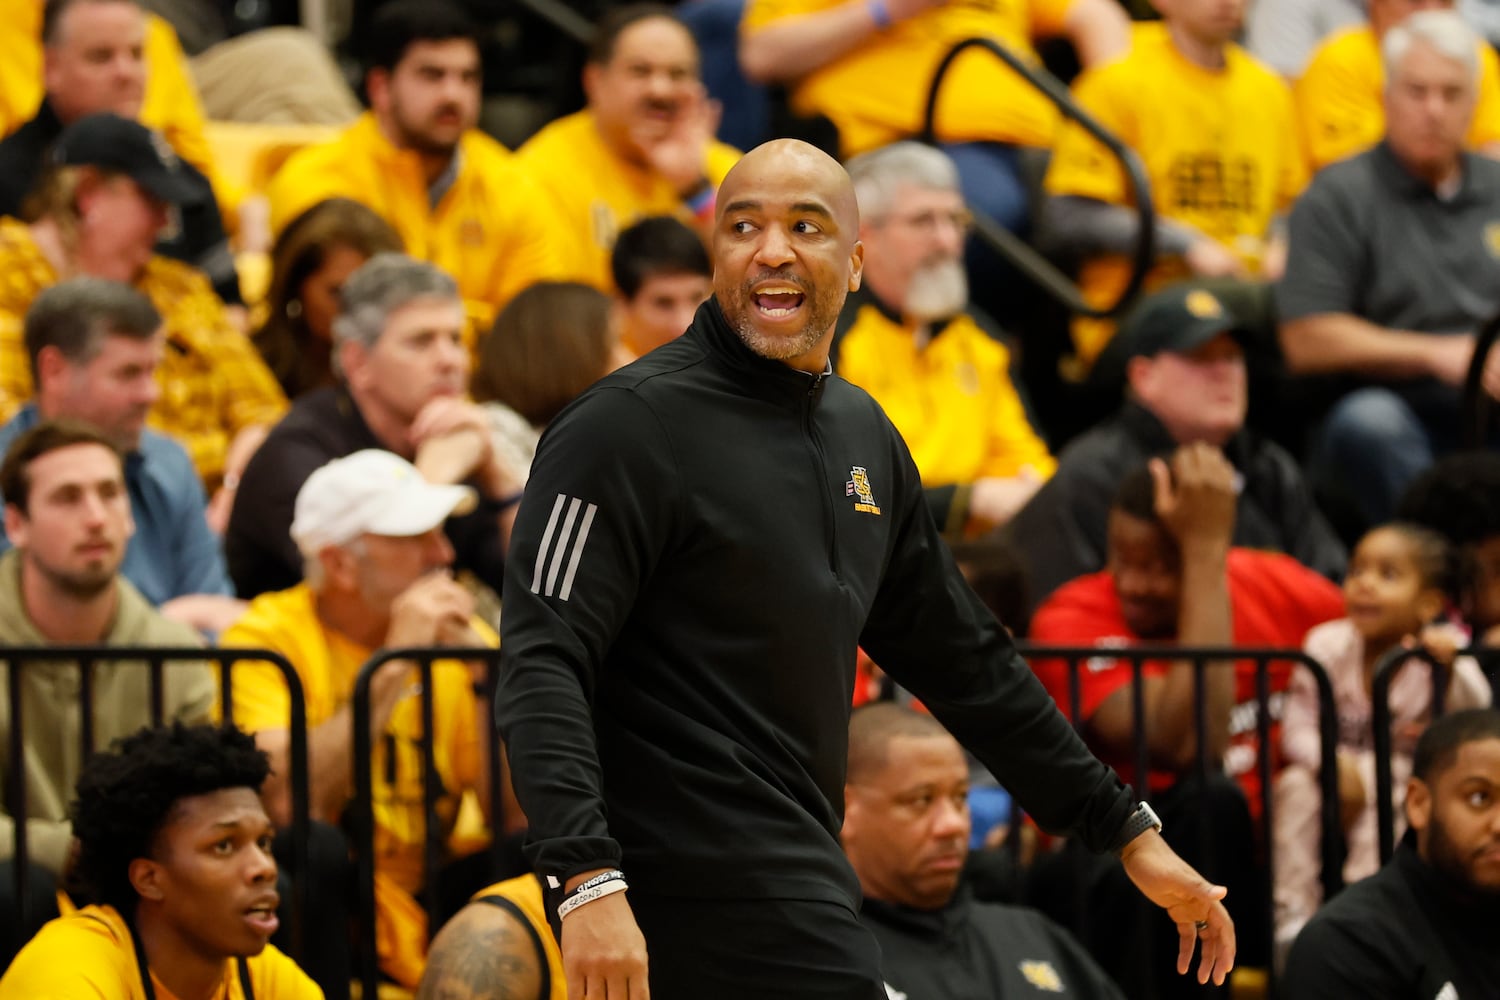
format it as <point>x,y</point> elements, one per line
<point>1425,926</point>
<point>906,833</point>
<point>1394,263</point>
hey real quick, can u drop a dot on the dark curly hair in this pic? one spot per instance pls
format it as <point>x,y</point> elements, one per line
<point>125,795</point>
<point>1458,497</point>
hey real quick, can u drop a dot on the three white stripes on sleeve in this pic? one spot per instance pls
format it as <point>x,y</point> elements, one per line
<point>551,567</point>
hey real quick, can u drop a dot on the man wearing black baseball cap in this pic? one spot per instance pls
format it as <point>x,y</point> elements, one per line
<point>1180,354</point>
<point>77,89</point>
<point>127,147</point>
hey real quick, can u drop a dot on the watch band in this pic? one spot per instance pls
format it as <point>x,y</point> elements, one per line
<point>1142,819</point>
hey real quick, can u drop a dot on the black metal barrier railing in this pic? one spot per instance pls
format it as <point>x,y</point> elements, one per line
<point>154,660</point>
<point>1386,670</point>
<point>1476,409</point>
<point>362,811</point>
<point>1202,659</point>
<point>1021,255</point>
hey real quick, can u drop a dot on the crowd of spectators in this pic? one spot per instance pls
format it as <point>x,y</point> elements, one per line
<point>288,399</point>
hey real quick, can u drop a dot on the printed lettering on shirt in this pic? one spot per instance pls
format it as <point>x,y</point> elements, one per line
<point>1099,664</point>
<point>562,547</point>
<point>1042,975</point>
<point>858,487</point>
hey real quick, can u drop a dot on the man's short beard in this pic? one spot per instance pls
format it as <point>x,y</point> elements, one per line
<point>78,585</point>
<point>778,348</point>
<point>1448,858</point>
<point>938,290</point>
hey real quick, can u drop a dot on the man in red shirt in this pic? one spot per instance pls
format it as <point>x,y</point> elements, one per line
<point>1172,576</point>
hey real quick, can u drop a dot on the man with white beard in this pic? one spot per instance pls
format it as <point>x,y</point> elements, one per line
<point>939,368</point>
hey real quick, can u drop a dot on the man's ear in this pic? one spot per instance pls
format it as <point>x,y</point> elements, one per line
<point>352,358</point>
<point>378,88</point>
<point>856,265</point>
<point>1418,804</point>
<point>16,526</point>
<point>593,75</point>
<point>50,365</point>
<point>145,876</point>
<point>340,568</point>
<point>853,815</point>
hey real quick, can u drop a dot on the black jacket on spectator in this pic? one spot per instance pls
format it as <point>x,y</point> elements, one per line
<point>199,240</point>
<point>321,426</point>
<point>1408,932</point>
<point>1061,533</point>
<point>970,949</point>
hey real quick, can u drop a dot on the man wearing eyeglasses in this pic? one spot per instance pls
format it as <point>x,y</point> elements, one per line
<point>938,367</point>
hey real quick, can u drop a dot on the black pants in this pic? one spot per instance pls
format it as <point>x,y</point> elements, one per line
<point>752,949</point>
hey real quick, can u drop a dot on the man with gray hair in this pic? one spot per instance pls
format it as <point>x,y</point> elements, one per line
<point>938,367</point>
<point>403,374</point>
<point>1394,263</point>
<point>370,528</point>
<point>94,347</point>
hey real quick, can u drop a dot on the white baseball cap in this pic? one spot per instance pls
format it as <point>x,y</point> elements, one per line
<point>371,492</point>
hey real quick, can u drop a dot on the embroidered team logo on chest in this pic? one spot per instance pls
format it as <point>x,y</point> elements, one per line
<point>1043,976</point>
<point>858,487</point>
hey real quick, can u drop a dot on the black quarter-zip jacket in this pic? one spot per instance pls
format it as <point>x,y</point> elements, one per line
<point>706,536</point>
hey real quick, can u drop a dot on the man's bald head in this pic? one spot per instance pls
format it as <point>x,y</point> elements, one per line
<point>786,251</point>
<point>826,177</point>
<point>872,729</point>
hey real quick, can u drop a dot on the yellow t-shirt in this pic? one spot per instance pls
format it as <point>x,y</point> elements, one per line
<point>213,381</point>
<point>953,401</point>
<point>596,193</point>
<point>494,229</point>
<point>170,104</point>
<point>88,955</point>
<point>327,663</point>
<point>877,92</point>
<point>1340,98</point>
<point>525,893</point>
<point>1218,147</point>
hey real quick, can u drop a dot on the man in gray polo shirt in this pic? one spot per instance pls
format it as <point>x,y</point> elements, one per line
<point>1394,262</point>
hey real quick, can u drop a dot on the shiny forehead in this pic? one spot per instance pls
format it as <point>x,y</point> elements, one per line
<point>792,172</point>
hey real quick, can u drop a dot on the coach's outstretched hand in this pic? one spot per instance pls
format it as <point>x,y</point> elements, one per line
<point>1193,903</point>
<point>603,950</point>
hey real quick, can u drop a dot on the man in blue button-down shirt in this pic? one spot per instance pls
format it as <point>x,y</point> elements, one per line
<point>95,346</point>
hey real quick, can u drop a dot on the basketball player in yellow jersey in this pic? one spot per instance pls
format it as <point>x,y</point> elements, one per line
<point>174,849</point>
<point>1215,130</point>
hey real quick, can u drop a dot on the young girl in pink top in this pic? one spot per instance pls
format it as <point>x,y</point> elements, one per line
<point>1395,594</point>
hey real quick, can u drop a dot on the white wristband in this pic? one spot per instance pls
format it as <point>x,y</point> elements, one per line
<point>578,899</point>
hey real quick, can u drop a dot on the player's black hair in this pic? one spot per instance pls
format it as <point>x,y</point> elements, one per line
<point>125,796</point>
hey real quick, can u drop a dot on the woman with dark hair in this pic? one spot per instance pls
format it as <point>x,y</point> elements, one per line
<point>313,256</point>
<point>551,342</point>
